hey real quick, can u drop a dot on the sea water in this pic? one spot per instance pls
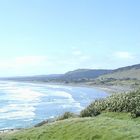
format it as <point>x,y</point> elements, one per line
<point>26,104</point>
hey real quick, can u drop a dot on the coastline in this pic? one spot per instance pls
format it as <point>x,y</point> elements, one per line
<point>110,89</point>
<point>10,131</point>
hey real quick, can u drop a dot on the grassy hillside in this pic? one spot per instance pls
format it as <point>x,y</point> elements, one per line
<point>124,74</point>
<point>113,126</point>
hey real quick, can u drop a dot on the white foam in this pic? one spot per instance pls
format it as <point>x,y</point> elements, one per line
<point>17,115</point>
<point>22,99</point>
<point>24,94</point>
<point>67,102</point>
<point>53,86</point>
<point>14,111</point>
<point>60,94</point>
<point>59,86</point>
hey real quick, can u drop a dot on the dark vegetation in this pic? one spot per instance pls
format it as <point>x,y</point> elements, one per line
<point>124,102</point>
<point>67,115</point>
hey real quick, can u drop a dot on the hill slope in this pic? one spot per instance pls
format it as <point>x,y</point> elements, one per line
<point>85,73</point>
<point>71,76</point>
<point>107,126</point>
<point>130,72</point>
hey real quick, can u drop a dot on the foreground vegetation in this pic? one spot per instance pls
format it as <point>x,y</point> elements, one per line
<point>114,118</point>
<point>113,126</point>
<point>124,102</point>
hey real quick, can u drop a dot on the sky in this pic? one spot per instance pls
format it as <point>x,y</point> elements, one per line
<point>40,37</point>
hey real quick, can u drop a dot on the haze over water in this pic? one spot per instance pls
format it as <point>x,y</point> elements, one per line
<point>26,104</point>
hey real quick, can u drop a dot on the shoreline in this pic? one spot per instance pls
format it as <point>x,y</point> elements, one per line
<point>10,131</point>
<point>110,89</point>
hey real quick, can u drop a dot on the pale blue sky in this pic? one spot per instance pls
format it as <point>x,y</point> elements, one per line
<point>55,36</point>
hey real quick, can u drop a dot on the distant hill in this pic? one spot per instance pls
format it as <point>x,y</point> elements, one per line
<point>137,66</point>
<point>42,78</point>
<point>129,72</point>
<point>85,74</point>
<point>76,75</point>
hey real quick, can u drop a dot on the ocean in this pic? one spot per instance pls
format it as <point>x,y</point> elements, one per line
<point>23,105</point>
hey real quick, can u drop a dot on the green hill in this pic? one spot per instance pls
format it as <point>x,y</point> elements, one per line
<point>126,76</point>
<point>107,126</point>
<point>130,72</point>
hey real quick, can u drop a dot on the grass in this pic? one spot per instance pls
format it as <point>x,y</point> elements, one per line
<point>107,126</point>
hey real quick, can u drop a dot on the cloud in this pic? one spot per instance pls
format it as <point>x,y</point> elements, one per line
<point>80,56</point>
<point>124,55</point>
<point>22,62</point>
<point>31,65</point>
<point>77,53</point>
<point>29,60</point>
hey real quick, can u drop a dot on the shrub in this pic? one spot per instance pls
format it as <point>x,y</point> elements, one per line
<point>41,123</point>
<point>67,115</point>
<point>124,102</point>
<point>93,109</point>
<point>14,139</point>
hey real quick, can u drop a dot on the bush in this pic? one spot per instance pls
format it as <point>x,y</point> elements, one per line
<point>93,109</point>
<point>67,115</point>
<point>41,123</point>
<point>125,102</point>
<point>90,112</point>
<point>14,139</point>
<point>136,112</point>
